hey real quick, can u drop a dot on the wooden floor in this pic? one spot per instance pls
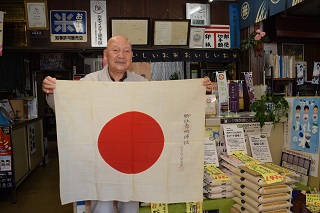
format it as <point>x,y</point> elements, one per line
<point>39,192</point>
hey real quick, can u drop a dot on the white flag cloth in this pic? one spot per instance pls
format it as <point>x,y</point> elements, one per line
<point>131,141</point>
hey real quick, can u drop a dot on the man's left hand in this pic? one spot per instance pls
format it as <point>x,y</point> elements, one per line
<point>207,83</point>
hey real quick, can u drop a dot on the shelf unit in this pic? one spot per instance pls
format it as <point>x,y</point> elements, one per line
<point>280,86</point>
<point>49,121</point>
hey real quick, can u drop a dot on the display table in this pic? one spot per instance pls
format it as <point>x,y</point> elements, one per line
<point>223,205</point>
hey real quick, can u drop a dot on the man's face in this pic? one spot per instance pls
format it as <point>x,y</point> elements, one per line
<point>118,55</point>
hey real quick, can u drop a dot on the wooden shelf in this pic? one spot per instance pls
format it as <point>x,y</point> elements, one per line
<point>284,79</point>
<point>280,79</point>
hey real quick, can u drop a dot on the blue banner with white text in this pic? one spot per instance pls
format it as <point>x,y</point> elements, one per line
<point>276,6</point>
<point>246,13</point>
<point>291,3</point>
<point>234,25</point>
<point>254,11</point>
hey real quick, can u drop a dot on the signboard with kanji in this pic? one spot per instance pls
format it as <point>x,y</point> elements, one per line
<point>68,26</point>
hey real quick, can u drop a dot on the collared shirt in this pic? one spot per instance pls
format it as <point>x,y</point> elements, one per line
<point>125,75</point>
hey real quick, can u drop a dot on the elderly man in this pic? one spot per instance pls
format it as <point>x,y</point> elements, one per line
<point>119,57</point>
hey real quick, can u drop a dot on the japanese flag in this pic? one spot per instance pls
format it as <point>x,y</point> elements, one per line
<point>131,141</point>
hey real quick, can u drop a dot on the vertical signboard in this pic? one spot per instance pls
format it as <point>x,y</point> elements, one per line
<point>98,25</point>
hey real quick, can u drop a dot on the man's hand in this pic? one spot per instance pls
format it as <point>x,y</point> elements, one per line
<point>48,85</point>
<point>207,83</point>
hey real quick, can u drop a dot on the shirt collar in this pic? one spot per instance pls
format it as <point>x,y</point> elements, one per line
<point>125,75</point>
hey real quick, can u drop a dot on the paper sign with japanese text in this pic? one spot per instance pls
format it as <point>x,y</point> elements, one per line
<point>246,159</point>
<point>159,207</point>
<point>260,147</point>
<point>280,169</point>
<point>234,138</point>
<point>210,151</point>
<point>269,175</point>
<point>217,36</point>
<point>313,202</point>
<point>216,173</point>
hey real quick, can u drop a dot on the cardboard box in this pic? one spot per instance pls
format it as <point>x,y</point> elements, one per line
<point>25,108</point>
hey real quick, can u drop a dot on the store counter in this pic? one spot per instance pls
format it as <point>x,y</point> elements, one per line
<point>22,150</point>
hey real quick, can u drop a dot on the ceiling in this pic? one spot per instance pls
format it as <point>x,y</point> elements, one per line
<point>309,8</point>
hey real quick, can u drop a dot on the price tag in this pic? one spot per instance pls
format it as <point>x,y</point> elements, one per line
<point>313,202</point>
<point>269,175</point>
<point>159,208</point>
<point>194,207</point>
<point>281,169</point>
<point>216,173</point>
<point>247,160</point>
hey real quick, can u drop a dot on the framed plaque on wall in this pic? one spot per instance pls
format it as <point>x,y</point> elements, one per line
<point>171,32</point>
<point>135,29</point>
<point>37,14</point>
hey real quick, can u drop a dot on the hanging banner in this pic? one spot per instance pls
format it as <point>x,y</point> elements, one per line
<point>246,13</point>
<point>291,3</point>
<point>222,87</point>
<point>234,96</point>
<point>249,84</point>
<point>98,23</point>
<point>260,10</point>
<point>276,6</point>
<point>234,25</point>
<point>1,31</point>
<point>254,11</point>
<point>315,73</point>
<point>241,98</point>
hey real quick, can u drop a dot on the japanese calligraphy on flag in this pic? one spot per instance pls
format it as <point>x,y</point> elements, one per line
<point>131,141</point>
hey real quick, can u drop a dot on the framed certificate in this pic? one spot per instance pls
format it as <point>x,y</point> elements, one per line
<point>167,32</point>
<point>135,29</point>
<point>37,14</point>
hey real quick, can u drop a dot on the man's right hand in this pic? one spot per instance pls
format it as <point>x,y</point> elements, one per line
<point>48,85</point>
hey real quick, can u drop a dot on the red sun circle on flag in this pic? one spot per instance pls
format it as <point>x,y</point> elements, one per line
<point>131,142</point>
